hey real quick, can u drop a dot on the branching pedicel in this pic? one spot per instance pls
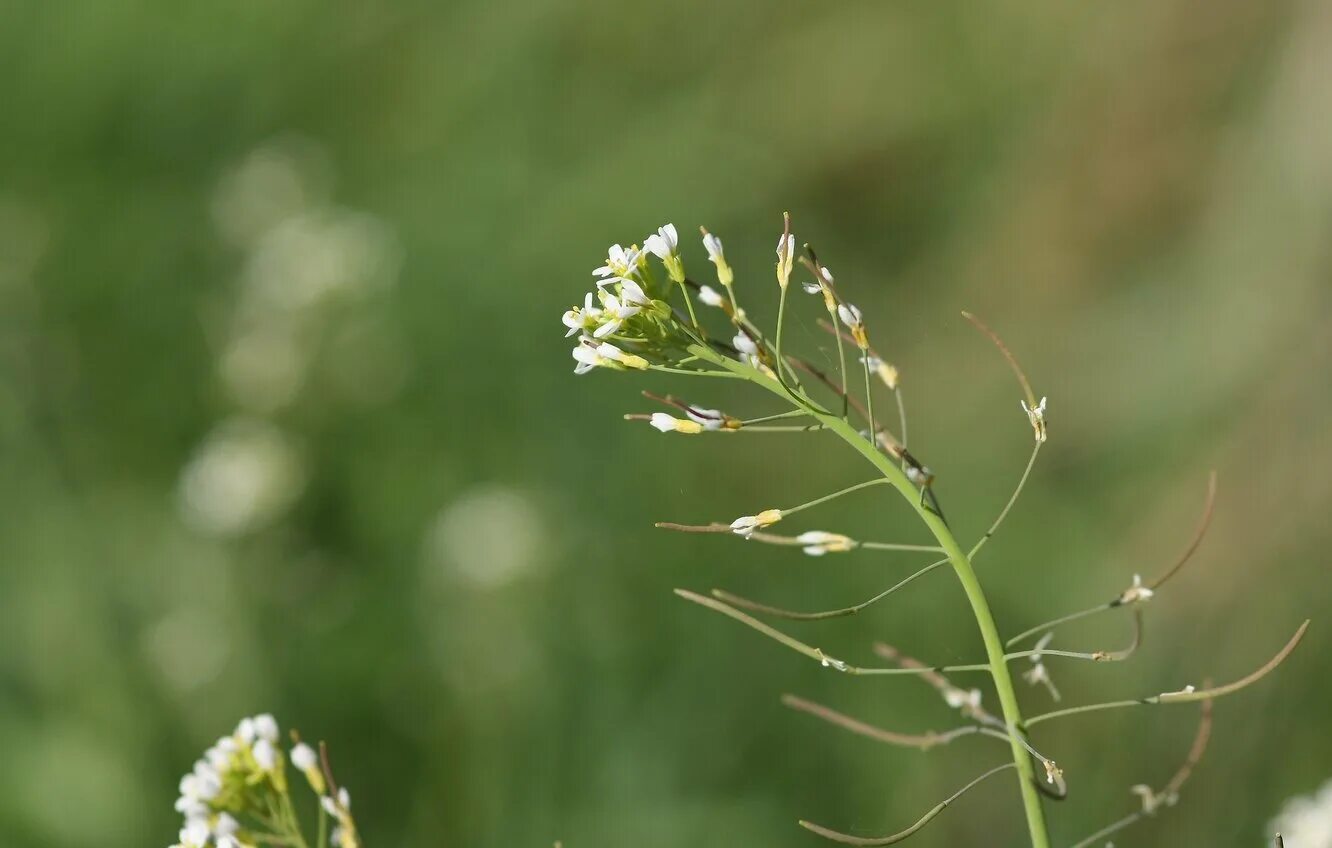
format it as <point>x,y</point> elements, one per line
<point>643,317</point>
<point>238,794</point>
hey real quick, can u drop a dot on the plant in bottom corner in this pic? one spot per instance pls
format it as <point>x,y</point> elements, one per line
<point>646,314</point>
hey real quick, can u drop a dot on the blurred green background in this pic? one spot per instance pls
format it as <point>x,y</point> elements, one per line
<point>288,420</point>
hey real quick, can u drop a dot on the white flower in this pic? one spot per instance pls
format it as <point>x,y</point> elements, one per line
<point>886,372</point>
<point>745,525</point>
<point>1036,415</point>
<point>1136,592</point>
<point>265,754</point>
<point>744,343</point>
<point>245,731</point>
<point>266,727</point>
<point>585,320</point>
<point>195,832</point>
<point>715,255</point>
<point>968,701</point>
<point>708,419</point>
<point>226,825</point>
<point>1305,821</point>
<point>330,806</point>
<point>667,424</point>
<point>344,798</point>
<point>811,288</point>
<point>664,243</point>
<point>588,358</point>
<point>849,314</point>
<point>1038,672</point>
<point>620,263</point>
<point>606,350</point>
<point>818,542</point>
<point>303,757</point>
<point>709,296</point>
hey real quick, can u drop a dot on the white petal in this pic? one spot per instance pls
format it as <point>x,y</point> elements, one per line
<point>608,328</point>
<point>662,422</point>
<point>709,296</point>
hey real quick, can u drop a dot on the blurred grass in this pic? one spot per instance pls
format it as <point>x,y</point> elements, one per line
<point>1136,196</point>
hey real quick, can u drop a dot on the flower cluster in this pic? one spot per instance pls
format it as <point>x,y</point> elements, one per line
<point>237,794</point>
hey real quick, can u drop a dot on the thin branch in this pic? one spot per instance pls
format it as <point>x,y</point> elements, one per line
<point>1188,693</point>
<point>1095,656</point>
<point>789,541</point>
<point>922,741</point>
<point>808,650</point>
<point>754,606</point>
<point>847,839</point>
<point>1170,794</point>
<point>1012,499</point>
<point>1201,530</point>
<point>1003,348</point>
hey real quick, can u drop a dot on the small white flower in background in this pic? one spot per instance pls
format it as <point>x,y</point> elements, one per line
<point>753,361</point>
<point>1038,672</point>
<point>304,758</point>
<point>667,424</point>
<point>811,288</point>
<point>709,296</point>
<point>968,701</point>
<point>850,316</point>
<point>1136,592</point>
<point>1305,821</point>
<point>266,727</point>
<point>1036,415</point>
<point>1052,772</point>
<point>745,525</point>
<point>713,245</point>
<point>887,373</point>
<point>785,259</point>
<point>265,754</point>
<point>620,263</point>
<point>708,419</point>
<point>818,542</point>
<point>744,343</point>
<point>831,662</point>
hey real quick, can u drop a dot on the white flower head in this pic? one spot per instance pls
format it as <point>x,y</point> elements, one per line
<point>717,257</point>
<point>266,727</point>
<point>665,245</point>
<point>709,296</point>
<point>1306,820</point>
<point>585,320</point>
<point>746,525</point>
<point>304,757</point>
<point>588,358</point>
<point>819,542</point>
<point>1036,414</point>
<point>265,754</point>
<point>620,263</point>
<point>744,343</point>
<point>668,424</point>
<point>968,701</point>
<point>1135,593</point>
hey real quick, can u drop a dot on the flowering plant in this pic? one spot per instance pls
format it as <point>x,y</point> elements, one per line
<point>643,318</point>
<point>238,795</point>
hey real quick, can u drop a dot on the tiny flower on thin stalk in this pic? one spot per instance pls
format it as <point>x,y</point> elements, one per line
<point>717,257</point>
<point>746,525</point>
<point>1039,673</point>
<point>819,542</point>
<point>1135,593</point>
<point>1036,414</point>
<point>667,424</point>
<point>709,296</point>
<point>785,254</point>
<point>886,373</point>
<point>743,343</point>
<point>850,316</point>
<point>620,263</point>
<point>665,245</point>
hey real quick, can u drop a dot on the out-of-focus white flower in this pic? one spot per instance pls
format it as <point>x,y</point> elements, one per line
<point>1136,592</point>
<point>819,542</point>
<point>667,424</point>
<point>811,288</point>
<point>1036,415</point>
<point>745,525</point>
<point>744,343</point>
<point>966,700</point>
<point>266,727</point>
<point>245,474</point>
<point>1038,673</point>
<point>887,373</point>
<point>709,296</point>
<point>1305,821</point>
<point>265,754</point>
<point>303,757</point>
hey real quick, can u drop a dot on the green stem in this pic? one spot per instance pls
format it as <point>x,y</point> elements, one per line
<point>994,646</point>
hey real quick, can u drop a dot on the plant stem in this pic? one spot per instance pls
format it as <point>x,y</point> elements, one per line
<point>994,646</point>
